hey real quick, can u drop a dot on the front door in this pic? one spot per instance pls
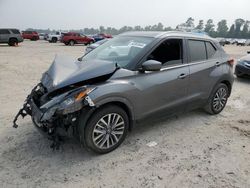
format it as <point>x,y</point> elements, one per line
<point>164,91</point>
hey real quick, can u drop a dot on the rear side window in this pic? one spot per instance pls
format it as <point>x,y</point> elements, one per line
<point>15,31</point>
<point>4,31</point>
<point>197,50</point>
<point>211,50</point>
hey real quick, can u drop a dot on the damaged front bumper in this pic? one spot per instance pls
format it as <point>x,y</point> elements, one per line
<point>56,117</point>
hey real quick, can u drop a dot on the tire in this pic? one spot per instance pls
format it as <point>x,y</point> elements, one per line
<point>91,42</point>
<point>33,39</point>
<point>218,99</point>
<point>71,43</point>
<point>101,138</point>
<point>54,40</point>
<point>13,42</point>
<point>66,43</point>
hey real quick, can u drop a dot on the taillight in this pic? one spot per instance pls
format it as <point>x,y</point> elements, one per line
<point>231,62</point>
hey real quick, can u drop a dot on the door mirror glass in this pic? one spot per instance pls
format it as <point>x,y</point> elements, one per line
<point>151,65</point>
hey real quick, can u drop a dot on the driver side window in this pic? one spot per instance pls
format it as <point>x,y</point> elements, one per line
<point>169,53</point>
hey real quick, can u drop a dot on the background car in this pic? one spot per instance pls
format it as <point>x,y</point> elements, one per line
<point>32,35</point>
<point>242,68</point>
<point>41,36</point>
<point>73,38</point>
<point>101,36</point>
<point>241,42</point>
<point>10,36</point>
<point>247,42</point>
<point>54,37</point>
<point>222,41</point>
<point>95,45</point>
<point>46,36</point>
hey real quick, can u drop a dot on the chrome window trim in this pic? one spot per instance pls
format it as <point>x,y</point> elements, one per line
<point>173,67</point>
<point>182,65</point>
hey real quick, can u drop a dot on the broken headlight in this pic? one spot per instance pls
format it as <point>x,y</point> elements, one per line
<point>66,103</point>
<point>74,102</point>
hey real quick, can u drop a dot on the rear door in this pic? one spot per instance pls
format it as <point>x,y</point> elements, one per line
<point>78,38</point>
<point>205,70</point>
<point>4,35</point>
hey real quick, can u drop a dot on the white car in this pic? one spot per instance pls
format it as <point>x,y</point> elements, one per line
<point>41,36</point>
<point>54,37</point>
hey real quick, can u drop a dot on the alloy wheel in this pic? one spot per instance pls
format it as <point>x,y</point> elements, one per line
<point>220,99</point>
<point>108,131</point>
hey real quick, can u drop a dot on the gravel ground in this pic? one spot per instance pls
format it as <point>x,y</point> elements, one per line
<point>193,149</point>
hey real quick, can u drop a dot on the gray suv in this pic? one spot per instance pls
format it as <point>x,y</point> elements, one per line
<point>131,78</point>
<point>10,36</point>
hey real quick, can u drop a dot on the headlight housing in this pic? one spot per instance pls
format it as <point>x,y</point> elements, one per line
<point>247,64</point>
<point>66,103</point>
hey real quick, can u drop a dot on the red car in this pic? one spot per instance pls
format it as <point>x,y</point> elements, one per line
<point>32,35</point>
<point>72,38</point>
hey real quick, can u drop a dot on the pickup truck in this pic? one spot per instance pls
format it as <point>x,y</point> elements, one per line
<point>54,37</point>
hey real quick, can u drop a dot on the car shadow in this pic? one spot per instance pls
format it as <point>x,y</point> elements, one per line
<point>245,79</point>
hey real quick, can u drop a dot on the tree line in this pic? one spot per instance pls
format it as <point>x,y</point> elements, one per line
<point>239,29</point>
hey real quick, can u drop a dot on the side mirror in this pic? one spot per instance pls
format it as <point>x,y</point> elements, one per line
<point>151,65</point>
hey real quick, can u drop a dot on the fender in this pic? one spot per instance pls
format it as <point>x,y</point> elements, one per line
<point>113,99</point>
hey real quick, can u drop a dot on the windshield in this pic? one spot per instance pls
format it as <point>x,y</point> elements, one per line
<point>121,49</point>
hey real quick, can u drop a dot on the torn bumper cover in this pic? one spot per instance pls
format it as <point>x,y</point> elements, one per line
<point>57,115</point>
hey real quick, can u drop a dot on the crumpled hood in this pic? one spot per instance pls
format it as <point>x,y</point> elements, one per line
<point>65,71</point>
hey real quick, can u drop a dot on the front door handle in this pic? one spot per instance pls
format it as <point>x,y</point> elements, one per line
<point>217,64</point>
<point>182,76</point>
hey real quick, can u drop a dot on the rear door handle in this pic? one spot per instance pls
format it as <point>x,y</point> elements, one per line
<point>182,76</point>
<point>217,64</point>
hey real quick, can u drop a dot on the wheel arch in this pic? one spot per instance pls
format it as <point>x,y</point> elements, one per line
<point>13,38</point>
<point>228,84</point>
<point>88,111</point>
<point>121,102</point>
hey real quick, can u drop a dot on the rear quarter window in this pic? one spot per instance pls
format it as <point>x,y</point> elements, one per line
<point>211,50</point>
<point>197,50</point>
<point>15,31</point>
<point>4,31</point>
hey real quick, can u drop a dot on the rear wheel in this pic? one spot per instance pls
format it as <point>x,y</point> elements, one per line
<point>218,99</point>
<point>13,42</point>
<point>71,43</point>
<point>106,129</point>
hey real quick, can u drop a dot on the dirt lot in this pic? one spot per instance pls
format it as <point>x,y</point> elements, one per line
<point>193,149</point>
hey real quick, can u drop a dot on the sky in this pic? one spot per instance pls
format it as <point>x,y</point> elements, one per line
<point>78,14</point>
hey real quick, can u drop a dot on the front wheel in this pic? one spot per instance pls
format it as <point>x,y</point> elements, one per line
<point>106,129</point>
<point>54,39</point>
<point>218,99</point>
